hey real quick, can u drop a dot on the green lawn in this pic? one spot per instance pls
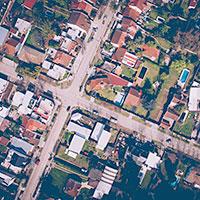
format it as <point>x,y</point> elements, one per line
<point>128,72</point>
<point>185,128</point>
<point>169,81</point>
<point>107,93</point>
<point>80,161</point>
<point>163,43</point>
<point>147,179</point>
<point>152,72</point>
<point>53,184</point>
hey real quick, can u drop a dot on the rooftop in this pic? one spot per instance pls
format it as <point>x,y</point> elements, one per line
<point>79,19</point>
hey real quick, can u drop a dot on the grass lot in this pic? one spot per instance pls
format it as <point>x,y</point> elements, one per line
<point>35,38</point>
<point>128,72</point>
<point>151,25</point>
<point>152,72</point>
<point>186,127</point>
<point>147,179</point>
<point>141,110</point>
<point>107,93</point>
<point>169,81</point>
<point>80,161</point>
<point>53,185</point>
<point>163,43</point>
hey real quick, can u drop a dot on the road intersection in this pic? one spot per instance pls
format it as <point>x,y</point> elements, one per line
<point>72,96</point>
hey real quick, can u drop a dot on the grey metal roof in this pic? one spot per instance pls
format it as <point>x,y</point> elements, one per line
<point>3,35</point>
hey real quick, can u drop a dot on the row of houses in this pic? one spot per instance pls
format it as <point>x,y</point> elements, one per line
<point>25,115</point>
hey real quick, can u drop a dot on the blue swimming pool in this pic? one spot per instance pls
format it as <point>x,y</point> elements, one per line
<point>184,76</point>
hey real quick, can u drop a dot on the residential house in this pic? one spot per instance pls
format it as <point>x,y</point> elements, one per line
<point>82,134</point>
<point>12,46</point>
<point>194,99</point>
<point>82,5</point>
<point>63,59</point>
<point>101,136</point>
<point>24,102</point>
<point>118,38</point>
<point>6,178</point>
<point>17,157</point>
<point>44,108</point>
<point>80,22</point>
<point>193,177</point>
<point>105,184</point>
<point>72,187</point>
<point>4,84</point>
<point>169,118</point>
<point>4,33</point>
<point>192,4</point>
<point>133,99</point>
<point>106,79</point>
<point>152,53</point>
<point>57,72</point>
<point>29,4</point>
<point>75,146</point>
<point>70,46</point>
<point>31,55</point>
<point>23,27</point>
<point>32,125</point>
<point>4,141</point>
<point>129,26</point>
<point>21,146</point>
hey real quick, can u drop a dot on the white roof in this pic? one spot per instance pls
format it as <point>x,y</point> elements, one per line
<point>153,160</point>
<point>105,184</point>
<point>194,99</point>
<point>4,111</point>
<point>3,35</point>
<point>22,26</point>
<point>17,98</point>
<point>46,64</point>
<point>3,85</point>
<point>19,143</point>
<point>57,72</point>
<point>129,59</point>
<point>80,130</point>
<point>27,98</point>
<point>76,116</point>
<point>97,131</point>
<point>103,140</point>
<point>76,144</point>
<point>6,179</point>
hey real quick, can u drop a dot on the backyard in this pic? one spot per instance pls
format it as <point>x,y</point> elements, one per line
<point>187,126</point>
<point>169,80</point>
<point>53,184</point>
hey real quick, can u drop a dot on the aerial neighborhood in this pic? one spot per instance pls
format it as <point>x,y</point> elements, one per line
<point>99,99</point>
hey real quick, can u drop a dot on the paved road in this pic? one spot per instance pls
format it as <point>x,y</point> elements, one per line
<point>72,97</point>
<point>69,97</point>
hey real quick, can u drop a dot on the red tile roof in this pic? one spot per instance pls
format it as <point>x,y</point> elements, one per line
<point>10,46</point>
<point>4,141</point>
<point>32,125</point>
<point>62,58</point>
<point>118,38</point>
<point>129,26</point>
<point>107,79</point>
<point>133,14</point>
<point>80,19</point>
<point>82,5</point>
<point>29,4</point>
<point>140,4</point>
<point>4,125</point>
<point>193,4</point>
<point>133,98</point>
<point>150,52</point>
<point>119,54</point>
